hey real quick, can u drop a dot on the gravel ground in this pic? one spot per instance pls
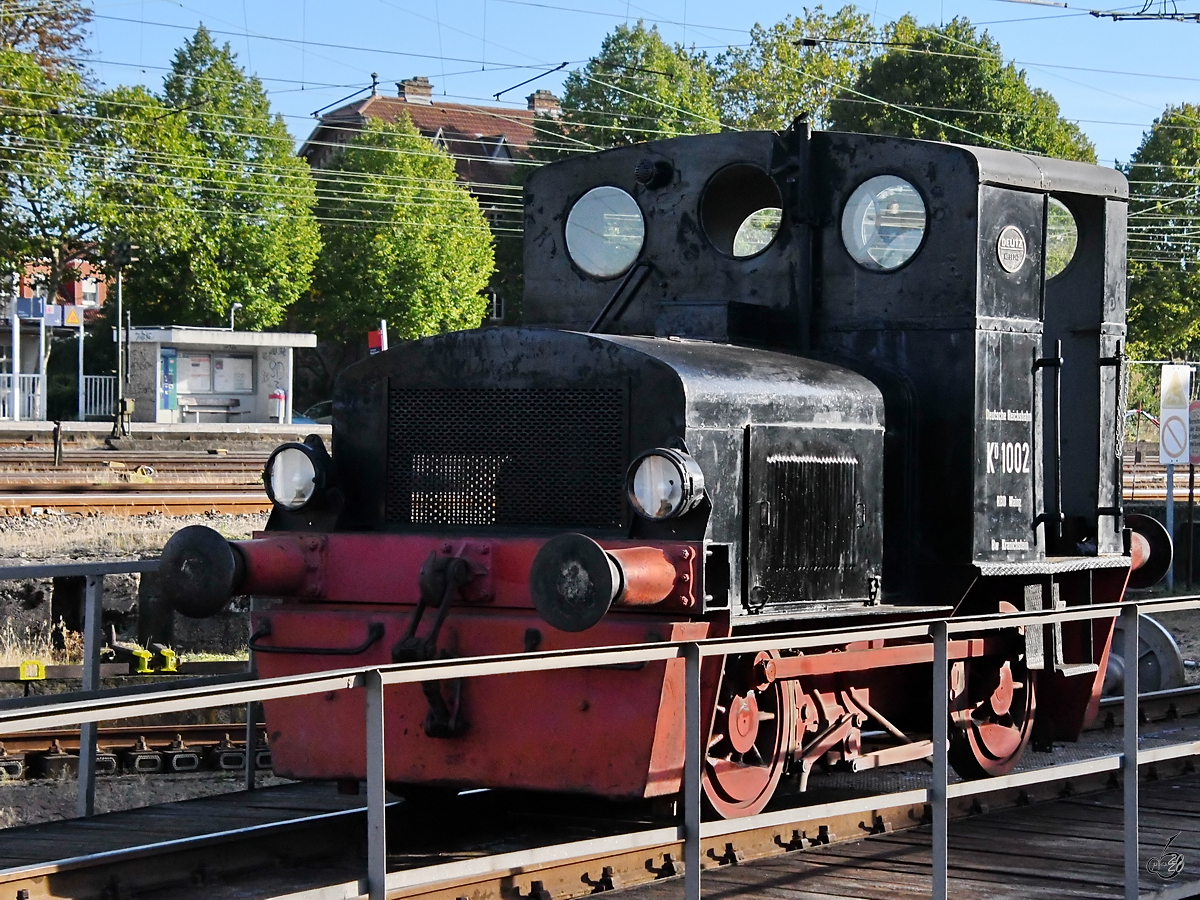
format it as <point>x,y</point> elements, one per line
<point>73,538</point>
<point>25,606</point>
<point>31,802</point>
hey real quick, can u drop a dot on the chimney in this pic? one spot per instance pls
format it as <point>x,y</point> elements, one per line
<point>416,90</point>
<point>544,103</point>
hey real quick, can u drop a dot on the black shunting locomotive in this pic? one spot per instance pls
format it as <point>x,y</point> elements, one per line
<point>767,382</point>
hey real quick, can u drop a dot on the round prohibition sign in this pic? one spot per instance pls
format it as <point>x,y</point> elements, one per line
<point>1174,436</point>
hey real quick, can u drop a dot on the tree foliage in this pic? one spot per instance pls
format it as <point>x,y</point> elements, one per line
<point>795,66</point>
<point>1164,258</point>
<point>638,88</point>
<point>952,84</point>
<point>403,240</point>
<point>76,169</point>
<point>51,31</point>
<point>255,240</point>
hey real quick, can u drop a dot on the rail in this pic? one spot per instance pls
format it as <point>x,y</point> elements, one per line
<point>94,706</point>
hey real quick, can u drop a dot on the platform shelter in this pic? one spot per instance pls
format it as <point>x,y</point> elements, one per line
<point>187,374</point>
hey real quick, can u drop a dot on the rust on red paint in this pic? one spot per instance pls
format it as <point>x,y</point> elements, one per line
<point>610,731</point>
<point>385,568</point>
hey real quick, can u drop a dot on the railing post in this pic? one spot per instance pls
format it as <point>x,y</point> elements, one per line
<point>251,741</point>
<point>1129,766</point>
<point>376,796</point>
<point>93,606</point>
<point>941,736</point>
<point>691,772</point>
<point>251,719</point>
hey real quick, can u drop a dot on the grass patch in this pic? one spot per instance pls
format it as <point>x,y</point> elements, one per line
<point>53,646</point>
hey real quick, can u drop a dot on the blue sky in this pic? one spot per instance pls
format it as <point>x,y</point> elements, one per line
<point>1113,78</point>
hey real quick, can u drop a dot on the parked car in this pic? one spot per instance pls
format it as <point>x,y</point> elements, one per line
<point>317,414</point>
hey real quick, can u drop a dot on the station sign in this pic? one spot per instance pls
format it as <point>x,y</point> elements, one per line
<point>31,307</point>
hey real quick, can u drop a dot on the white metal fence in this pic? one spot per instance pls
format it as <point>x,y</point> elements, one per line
<point>99,396</point>
<point>96,706</point>
<point>29,399</point>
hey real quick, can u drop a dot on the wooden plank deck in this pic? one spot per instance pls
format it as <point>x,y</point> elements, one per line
<point>50,841</point>
<point>1068,848</point>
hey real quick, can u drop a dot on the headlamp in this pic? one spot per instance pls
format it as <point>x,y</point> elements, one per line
<point>664,483</point>
<point>293,475</point>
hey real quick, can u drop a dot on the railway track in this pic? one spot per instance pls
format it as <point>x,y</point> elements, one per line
<point>305,842</point>
<point>132,750</point>
<point>483,845</point>
<point>178,482</point>
<point>94,482</point>
<point>181,501</point>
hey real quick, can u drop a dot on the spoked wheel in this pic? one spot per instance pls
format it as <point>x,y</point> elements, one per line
<point>992,714</point>
<point>750,741</point>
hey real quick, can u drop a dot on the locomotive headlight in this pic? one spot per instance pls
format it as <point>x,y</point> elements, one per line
<point>292,475</point>
<point>664,483</point>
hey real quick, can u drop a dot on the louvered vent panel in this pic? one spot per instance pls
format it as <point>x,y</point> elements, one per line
<point>504,457</point>
<point>814,522</point>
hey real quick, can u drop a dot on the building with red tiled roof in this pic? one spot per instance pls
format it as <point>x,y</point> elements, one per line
<point>484,140</point>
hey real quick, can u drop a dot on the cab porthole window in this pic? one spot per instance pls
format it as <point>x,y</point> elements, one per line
<point>605,232</point>
<point>883,223</point>
<point>1062,237</point>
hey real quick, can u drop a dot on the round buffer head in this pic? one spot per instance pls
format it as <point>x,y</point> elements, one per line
<point>573,582</point>
<point>197,571</point>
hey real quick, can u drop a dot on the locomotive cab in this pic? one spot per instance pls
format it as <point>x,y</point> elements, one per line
<point>768,382</point>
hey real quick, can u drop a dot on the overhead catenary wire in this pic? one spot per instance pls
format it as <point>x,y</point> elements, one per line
<point>963,130</point>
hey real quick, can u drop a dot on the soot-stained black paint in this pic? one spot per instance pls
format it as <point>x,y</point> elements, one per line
<point>849,422</point>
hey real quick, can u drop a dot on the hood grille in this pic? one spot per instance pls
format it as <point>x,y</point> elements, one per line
<point>531,458</point>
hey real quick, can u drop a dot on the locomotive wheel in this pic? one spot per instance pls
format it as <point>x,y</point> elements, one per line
<point>750,741</point>
<point>992,720</point>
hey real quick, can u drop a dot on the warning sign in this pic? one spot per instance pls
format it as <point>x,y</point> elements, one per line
<point>72,316</point>
<point>1174,415</point>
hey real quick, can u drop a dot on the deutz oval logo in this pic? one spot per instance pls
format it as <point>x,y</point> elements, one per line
<point>1010,248</point>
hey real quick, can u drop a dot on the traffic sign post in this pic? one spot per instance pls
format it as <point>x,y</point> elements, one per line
<point>1193,458</point>
<point>1174,435</point>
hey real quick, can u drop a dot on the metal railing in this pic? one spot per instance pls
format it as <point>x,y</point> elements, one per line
<point>99,396</point>
<point>29,400</point>
<point>90,708</point>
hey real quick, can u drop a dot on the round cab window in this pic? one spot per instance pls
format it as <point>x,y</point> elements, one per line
<point>1062,237</point>
<point>740,210</point>
<point>883,223</point>
<point>757,231</point>
<point>605,231</point>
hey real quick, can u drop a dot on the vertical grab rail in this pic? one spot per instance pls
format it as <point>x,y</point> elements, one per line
<point>1054,362</point>
<point>1116,363</point>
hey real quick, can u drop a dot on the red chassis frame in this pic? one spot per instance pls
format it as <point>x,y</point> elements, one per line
<point>611,731</point>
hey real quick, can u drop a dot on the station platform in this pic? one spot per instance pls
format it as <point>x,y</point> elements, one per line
<point>150,435</point>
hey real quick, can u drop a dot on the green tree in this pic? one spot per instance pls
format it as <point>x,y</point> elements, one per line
<point>53,33</point>
<point>256,239</point>
<point>78,168</point>
<point>1164,257</point>
<point>792,67</point>
<point>638,88</point>
<point>952,84</point>
<point>403,241</point>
